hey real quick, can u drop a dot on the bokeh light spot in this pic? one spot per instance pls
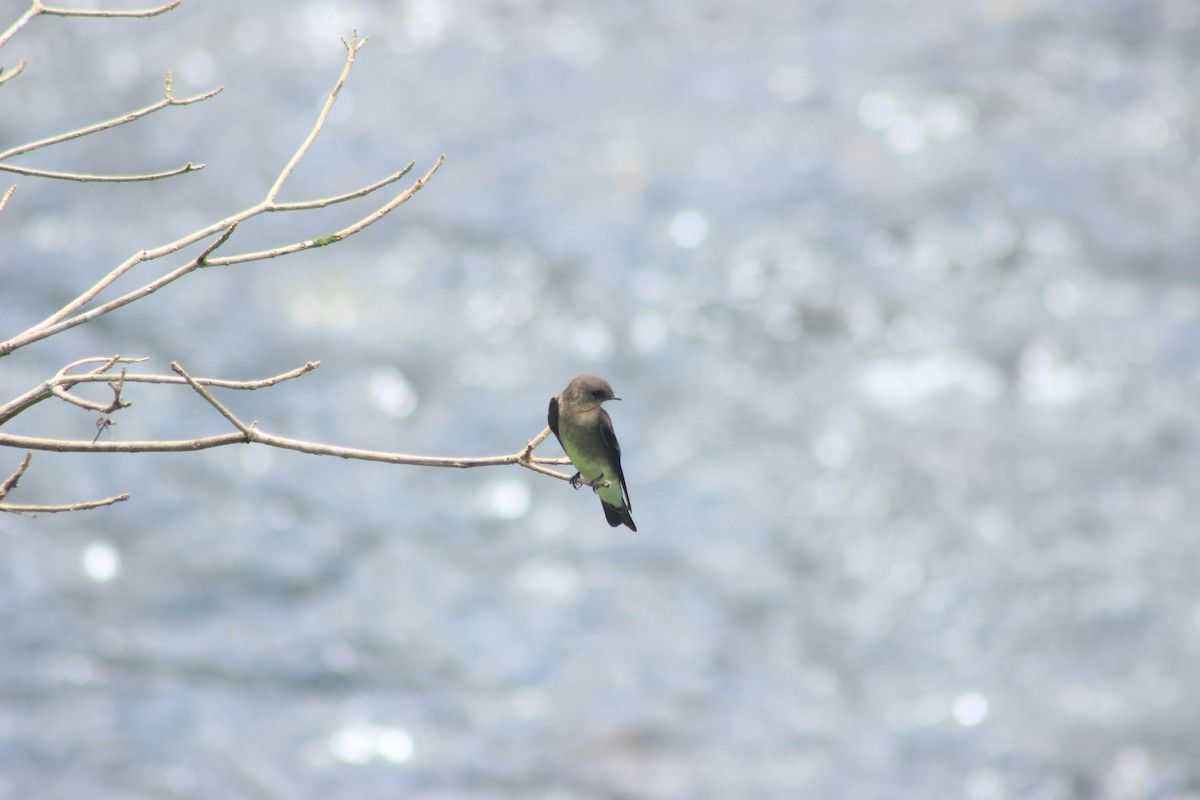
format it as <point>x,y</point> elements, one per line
<point>101,561</point>
<point>391,392</point>
<point>689,229</point>
<point>507,499</point>
<point>970,709</point>
<point>360,742</point>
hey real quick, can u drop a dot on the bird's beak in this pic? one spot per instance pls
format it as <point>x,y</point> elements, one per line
<point>614,398</point>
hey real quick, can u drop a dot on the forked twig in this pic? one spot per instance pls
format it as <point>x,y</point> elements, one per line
<point>11,481</point>
<point>38,7</point>
<point>249,433</point>
<point>72,314</point>
<point>66,380</point>
<point>168,100</point>
<point>60,390</point>
<point>86,505</point>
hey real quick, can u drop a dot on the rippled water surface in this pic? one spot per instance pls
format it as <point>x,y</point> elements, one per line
<point>903,303</point>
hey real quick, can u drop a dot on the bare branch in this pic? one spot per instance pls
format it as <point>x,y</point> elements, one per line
<point>34,9</point>
<point>341,198</point>
<point>332,238</point>
<point>50,326</point>
<point>10,483</point>
<point>143,12</point>
<point>62,319</point>
<point>18,508</point>
<point>76,312</point>
<point>60,322</point>
<point>352,48</point>
<point>245,434</point>
<point>46,389</point>
<point>167,101</point>
<point>5,77</point>
<point>529,462</point>
<point>261,383</point>
<point>87,178</point>
<point>86,446</point>
<point>60,391</point>
<point>38,7</point>
<point>256,436</point>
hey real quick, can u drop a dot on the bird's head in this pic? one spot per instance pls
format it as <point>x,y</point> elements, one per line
<point>588,391</point>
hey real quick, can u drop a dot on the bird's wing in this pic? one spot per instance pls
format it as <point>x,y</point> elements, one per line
<point>614,447</point>
<point>552,417</point>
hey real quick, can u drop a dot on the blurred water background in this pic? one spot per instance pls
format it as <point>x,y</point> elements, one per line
<point>904,305</point>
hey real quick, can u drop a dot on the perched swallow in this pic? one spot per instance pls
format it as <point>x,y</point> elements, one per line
<point>585,432</point>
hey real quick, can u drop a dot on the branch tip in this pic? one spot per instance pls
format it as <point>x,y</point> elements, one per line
<point>140,13</point>
<point>5,197</point>
<point>355,44</point>
<point>87,505</point>
<point>10,482</point>
<point>12,73</point>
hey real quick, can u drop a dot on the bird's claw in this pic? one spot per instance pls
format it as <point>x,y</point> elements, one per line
<point>596,483</point>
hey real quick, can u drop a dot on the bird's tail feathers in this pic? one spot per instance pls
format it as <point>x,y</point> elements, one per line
<point>618,515</point>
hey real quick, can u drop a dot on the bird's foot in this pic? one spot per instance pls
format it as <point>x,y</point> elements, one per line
<point>576,480</point>
<point>599,483</point>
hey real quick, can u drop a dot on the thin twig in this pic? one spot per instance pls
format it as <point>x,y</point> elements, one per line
<point>352,48</point>
<point>20,508</point>
<point>5,77</point>
<point>56,323</point>
<point>59,388</point>
<point>10,482</point>
<point>535,441</point>
<point>202,259</point>
<point>35,8</point>
<point>214,402</point>
<point>137,12</point>
<point>167,101</point>
<point>338,236</point>
<point>89,178</point>
<point>44,390</point>
<point>341,198</point>
<point>528,461</point>
<point>49,326</point>
<point>245,434</point>
<point>67,316</point>
<point>86,446</point>
<point>258,436</point>
<point>4,197</point>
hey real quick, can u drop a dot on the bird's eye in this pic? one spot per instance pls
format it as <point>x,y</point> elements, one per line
<point>597,393</point>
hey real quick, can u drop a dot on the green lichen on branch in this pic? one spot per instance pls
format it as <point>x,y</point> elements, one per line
<point>324,240</point>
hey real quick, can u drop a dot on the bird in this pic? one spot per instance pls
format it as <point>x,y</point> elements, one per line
<point>585,432</point>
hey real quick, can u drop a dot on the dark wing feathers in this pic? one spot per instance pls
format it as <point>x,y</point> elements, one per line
<point>552,418</point>
<point>610,438</point>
